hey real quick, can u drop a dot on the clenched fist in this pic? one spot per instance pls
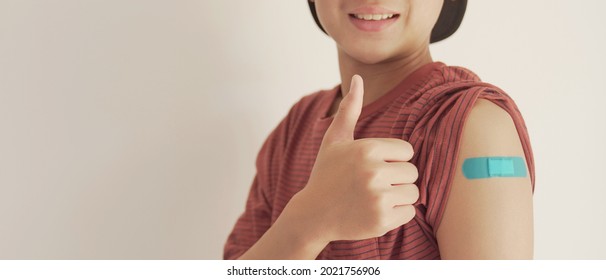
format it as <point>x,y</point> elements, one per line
<point>357,189</point>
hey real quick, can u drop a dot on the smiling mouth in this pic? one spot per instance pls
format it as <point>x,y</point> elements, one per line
<point>374,17</point>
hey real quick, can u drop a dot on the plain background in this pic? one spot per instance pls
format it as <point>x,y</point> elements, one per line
<point>129,129</point>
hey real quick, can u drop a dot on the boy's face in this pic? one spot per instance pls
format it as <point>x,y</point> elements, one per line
<point>374,41</point>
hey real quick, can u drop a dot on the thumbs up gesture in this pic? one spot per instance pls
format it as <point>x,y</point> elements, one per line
<point>361,188</point>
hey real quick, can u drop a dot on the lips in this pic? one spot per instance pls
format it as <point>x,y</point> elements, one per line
<point>372,18</point>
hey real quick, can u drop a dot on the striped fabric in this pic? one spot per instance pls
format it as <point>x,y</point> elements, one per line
<point>427,109</point>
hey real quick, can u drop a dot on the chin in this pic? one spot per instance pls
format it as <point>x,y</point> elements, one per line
<point>370,55</point>
<point>370,50</point>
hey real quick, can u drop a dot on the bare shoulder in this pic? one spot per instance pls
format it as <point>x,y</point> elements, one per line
<point>490,129</point>
<point>488,217</point>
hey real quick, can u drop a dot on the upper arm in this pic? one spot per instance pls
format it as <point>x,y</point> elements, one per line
<point>489,218</point>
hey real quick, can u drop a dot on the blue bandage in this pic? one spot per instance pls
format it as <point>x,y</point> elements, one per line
<point>488,167</point>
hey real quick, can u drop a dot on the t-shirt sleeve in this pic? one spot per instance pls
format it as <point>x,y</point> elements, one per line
<point>257,216</point>
<point>439,151</point>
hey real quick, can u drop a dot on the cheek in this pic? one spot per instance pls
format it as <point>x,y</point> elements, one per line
<point>330,16</point>
<point>425,14</point>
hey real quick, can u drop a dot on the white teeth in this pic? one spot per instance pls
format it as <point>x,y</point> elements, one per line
<point>373,16</point>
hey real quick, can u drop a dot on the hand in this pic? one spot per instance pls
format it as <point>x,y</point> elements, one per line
<point>361,188</point>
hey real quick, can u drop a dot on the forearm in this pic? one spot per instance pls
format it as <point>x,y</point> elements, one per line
<point>288,238</point>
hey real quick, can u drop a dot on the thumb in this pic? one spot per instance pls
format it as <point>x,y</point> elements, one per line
<point>344,123</point>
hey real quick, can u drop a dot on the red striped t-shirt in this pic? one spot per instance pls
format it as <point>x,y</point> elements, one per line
<point>428,109</point>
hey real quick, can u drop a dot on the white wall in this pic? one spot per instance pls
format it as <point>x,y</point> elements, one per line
<point>129,129</point>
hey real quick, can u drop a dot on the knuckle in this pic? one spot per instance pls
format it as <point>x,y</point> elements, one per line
<point>342,106</point>
<point>370,176</point>
<point>378,204</point>
<point>381,202</point>
<point>375,200</point>
<point>366,149</point>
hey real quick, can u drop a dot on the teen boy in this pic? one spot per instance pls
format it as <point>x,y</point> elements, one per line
<point>412,159</point>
